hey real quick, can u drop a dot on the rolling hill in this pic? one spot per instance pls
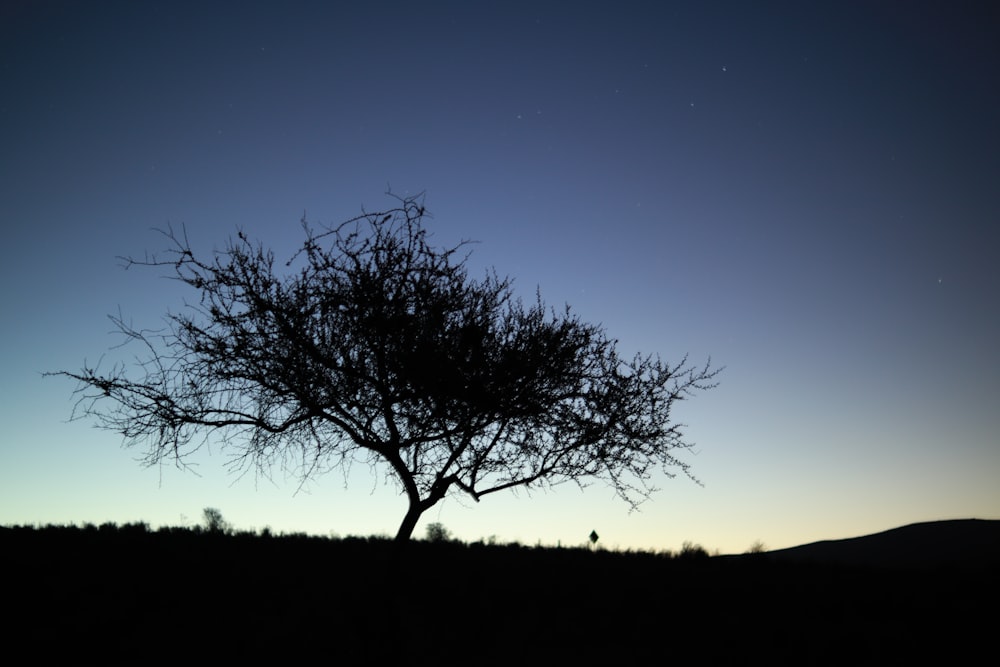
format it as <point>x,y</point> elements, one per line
<point>961,542</point>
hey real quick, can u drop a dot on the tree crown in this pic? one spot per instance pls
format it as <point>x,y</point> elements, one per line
<point>372,343</point>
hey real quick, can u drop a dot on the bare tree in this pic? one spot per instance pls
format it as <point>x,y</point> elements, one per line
<point>214,523</point>
<point>371,344</point>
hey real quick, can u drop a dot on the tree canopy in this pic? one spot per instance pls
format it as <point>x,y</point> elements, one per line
<point>372,344</point>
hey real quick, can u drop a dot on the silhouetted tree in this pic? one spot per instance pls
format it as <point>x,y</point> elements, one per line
<point>371,344</point>
<point>437,532</point>
<point>214,523</point>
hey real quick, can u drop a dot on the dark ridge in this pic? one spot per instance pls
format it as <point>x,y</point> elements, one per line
<point>971,543</point>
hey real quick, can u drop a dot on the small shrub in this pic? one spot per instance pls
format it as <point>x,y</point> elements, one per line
<point>436,532</point>
<point>692,551</point>
<point>214,523</point>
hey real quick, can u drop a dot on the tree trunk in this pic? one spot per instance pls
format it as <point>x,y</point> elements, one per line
<point>409,523</point>
<point>416,509</point>
<point>417,505</point>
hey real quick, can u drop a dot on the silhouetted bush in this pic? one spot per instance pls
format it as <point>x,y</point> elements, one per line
<point>214,523</point>
<point>436,532</point>
<point>692,552</point>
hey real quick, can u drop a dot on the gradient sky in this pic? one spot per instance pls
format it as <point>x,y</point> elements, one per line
<point>809,193</point>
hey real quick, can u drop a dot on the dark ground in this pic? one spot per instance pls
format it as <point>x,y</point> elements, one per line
<point>128,594</point>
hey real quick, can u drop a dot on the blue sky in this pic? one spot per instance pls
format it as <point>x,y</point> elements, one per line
<point>805,192</point>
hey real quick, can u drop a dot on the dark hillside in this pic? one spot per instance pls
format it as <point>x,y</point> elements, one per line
<point>960,543</point>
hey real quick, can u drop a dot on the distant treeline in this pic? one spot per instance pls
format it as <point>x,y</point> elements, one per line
<point>437,534</point>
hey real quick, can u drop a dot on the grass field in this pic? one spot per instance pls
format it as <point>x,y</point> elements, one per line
<point>127,593</point>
